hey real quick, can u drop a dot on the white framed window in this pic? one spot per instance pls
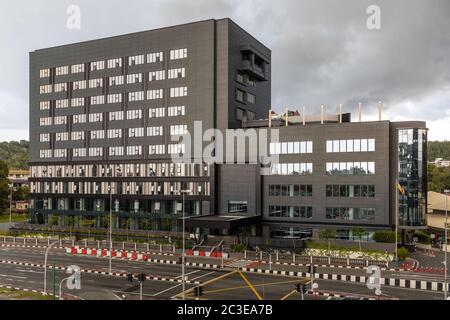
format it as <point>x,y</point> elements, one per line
<point>155,131</point>
<point>116,151</point>
<point>79,118</point>
<point>157,75</point>
<point>97,100</point>
<point>60,120</point>
<point>95,152</point>
<point>156,149</point>
<point>97,134</point>
<point>177,73</point>
<point>115,98</point>
<point>61,87</point>
<point>44,105</point>
<point>134,114</point>
<point>46,89</point>
<point>135,132</point>
<point>97,65</point>
<point>156,112</point>
<point>134,150</point>
<point>45,153</point>
<point>77,135</point>
<point>114,63</point>
<point>176,148</point>
<point>116,81</point>
<point>44,137</point>
<point>178,54</point>
<point>116,116</point>
<point>176,111</point>
<point>178,92</point>
<point>135,60</point>
<point>62,104</point>
<point>114,133</point>
<point>60,153</point>
<point>155,57</point>
<point>155,94</point>
<point>96,117</point>
<point>136,96</point>
<point>61,71</point>
<point>44,73</point>
<point>79,152</point>
<point>96,83</point>
<point>178,129</point>
<point>62,136</point>
<point>77,102</point>
<point>134,78</point>
<point>77,68</point>
<point>79,85</point>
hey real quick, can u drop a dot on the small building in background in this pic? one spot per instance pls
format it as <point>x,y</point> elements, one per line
<point>440,163</point>
<point>436,215</point>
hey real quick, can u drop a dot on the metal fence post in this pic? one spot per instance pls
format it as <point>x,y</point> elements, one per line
<point>135,246</point>
<point>260,255</point>
<point>85,243</point>
<point>245,254</point>
<point>73,243</point>
<point>329,260</point>
<point>367,262</point>
<point>293,257</point>
<point>148,247</point>
<point>160,248</point>
<point>14,239</point>
<point>311,259</point>
<point>123,245</point>
<point>348,261</point>
<point>36,242</point>
<point>173,249</point>
<point>276,256</point>
<point>24,240</point>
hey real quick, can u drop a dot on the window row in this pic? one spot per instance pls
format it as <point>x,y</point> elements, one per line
<point>122,170</point>
<point>351,145</point>
<point>285,169</point>
<point>291,147</point>
<point>290,190</point>
<point>124,188</point>
<point>350,168</point>
<point>337,213</point>
<point>116,151</point>
<point>290,212</point>
<point>350,191</point>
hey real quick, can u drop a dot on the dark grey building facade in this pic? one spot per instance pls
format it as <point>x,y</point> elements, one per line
<point>103,114</point>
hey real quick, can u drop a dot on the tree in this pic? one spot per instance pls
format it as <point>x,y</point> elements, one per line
<point>53,220</point>
<point>328,235</point>
<point>4,187</point>
<point>21,193</point>
<point>359,233</point>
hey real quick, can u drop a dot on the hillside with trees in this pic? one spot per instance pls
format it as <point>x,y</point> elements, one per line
<point>438,149</point>
<point>15,154</point>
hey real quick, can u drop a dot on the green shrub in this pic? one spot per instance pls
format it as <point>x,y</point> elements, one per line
<point>237,247</point>
<point>402,253</point>
<point>384,236</point>
<point>422,237</point>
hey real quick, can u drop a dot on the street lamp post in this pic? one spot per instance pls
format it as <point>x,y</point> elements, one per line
<point>60,288</point>
<point>446,192</point>
<point>45,265</point>
<point>183,251</point>
<point>10,204</point>
<point>110,229</point>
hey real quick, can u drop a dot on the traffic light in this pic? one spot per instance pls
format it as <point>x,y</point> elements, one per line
<point>311,269</point>
<point>129,277</point>
<point>141,277</point>
<point>198,291</point>
<point>180,260</point>
<point>300,287</point>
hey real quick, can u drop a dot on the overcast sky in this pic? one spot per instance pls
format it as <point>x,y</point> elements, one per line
<point>322,51</point>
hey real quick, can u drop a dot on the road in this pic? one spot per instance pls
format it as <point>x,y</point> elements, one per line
<point>216,283</point>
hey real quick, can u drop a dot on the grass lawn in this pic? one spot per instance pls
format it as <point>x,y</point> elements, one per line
<point>11,294</point>
<point>315,245</point>
<point>15,218</point>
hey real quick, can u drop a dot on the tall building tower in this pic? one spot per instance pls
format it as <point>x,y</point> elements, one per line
<point>103,113</point>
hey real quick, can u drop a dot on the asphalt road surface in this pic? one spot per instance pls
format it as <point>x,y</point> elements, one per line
<point>216,283</point>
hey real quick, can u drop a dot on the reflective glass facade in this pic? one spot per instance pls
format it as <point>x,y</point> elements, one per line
<point>412,176</point>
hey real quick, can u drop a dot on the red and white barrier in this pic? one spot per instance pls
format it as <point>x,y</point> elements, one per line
<point>213,254</point>
<point>106,253</point>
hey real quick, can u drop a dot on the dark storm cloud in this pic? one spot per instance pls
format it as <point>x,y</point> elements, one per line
<point>323,52</point>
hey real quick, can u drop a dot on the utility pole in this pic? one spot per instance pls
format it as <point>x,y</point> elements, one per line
<point>10,204</point>
<point>183,251</point>
<point>110,228</point>
<point>446,192</point>
<point>396,219</point>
